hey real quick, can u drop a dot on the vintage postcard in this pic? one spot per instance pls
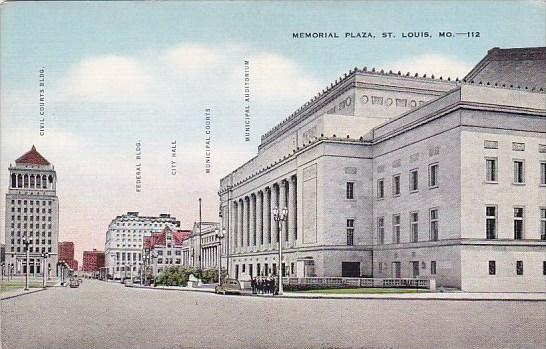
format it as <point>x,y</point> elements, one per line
<point>273,174</point>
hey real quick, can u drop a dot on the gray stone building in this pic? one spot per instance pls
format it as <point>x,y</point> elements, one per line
<point>32,214</point>
<point>124,241</point>
<point>388,174</point>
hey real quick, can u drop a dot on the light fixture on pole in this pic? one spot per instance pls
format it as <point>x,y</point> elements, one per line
<point>27,242</point>
<point>44,255</point>
<point>220,234</point>
<point>279,217</point>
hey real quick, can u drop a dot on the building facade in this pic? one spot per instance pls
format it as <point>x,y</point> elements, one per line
<point>93,261</point>
<point>387,174</point>
<point>165,248</point>
<point>124,241</point>
<point>66,253</point>
<point>32,214</point>
<point>201,249</point>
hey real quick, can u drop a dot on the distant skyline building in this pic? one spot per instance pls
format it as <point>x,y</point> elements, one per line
<point>93,261</point>
<point>125,237</point>
<point>32,212</point>
<point>66,253</point>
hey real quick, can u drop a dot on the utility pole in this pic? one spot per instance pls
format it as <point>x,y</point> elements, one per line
<point>200,224</point>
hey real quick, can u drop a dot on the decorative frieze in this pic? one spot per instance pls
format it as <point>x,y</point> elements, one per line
<point>518,146</point>
<point>351,170</point>
<point>433,151</point>
<point>490,144</point>
<point>389,101</point>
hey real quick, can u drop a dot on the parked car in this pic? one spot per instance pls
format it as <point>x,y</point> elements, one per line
<point>74,283</point>
<point>232,286</point>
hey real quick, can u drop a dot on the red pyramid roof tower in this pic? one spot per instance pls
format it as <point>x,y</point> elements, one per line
<point>32,157</point>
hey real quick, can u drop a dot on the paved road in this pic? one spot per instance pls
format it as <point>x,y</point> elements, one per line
<point>107,315</point>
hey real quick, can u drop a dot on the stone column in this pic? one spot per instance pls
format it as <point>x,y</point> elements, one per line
<point>292,210</point>
<point>233,225</point>
<point>244,241</point>
<point>259,219</point>
<point>252,220</point>
<point>282,204</point>
<point>240,210</point>
<point>267,216</point>
<point>274,203</point>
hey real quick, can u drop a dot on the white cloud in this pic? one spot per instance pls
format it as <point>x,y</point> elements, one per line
<point>437,64</point>
<point>110,78</point>
<point>191,59</point>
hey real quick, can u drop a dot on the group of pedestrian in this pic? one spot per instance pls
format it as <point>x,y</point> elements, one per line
<point>263,285</point>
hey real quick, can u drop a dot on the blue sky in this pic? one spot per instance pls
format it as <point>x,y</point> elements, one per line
<point>117,72</point>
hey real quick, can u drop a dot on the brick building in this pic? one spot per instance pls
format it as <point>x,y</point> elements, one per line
<point>93,260</point>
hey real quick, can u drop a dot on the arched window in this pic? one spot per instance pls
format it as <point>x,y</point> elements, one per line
<point>38,181</point>
<point>26,181</point>
<point>19,181</point>
<point>32,181</point>
<point>13,180</point>
<point>50,185</point>
<point>44,182</point>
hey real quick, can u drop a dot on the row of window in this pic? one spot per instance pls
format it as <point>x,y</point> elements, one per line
<point>433,221</point>
<point>518,222</point>
<point>396,272</point>
<point>30,233</point>
<point>30,209</point>
<point>519,268</point>
<point>492,175</point>
<point>433,176</point>
<point>31,225</point>
<point>19,241</point>
<point>31,218</point>
<point>31,202</point>
<point>19,249</point>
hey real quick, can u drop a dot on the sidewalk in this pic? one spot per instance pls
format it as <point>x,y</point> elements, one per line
<point>451,296</point>
<point>16,292</point>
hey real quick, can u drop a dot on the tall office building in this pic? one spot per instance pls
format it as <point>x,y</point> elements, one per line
<point>32,214</point>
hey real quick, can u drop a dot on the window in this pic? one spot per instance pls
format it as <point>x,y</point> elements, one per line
<point>380,188</point>
<point>380,230</point>
<point>490,222</point>
<point>414,180</point>
<point>519,267</point>
<point>396,228</point>
<point>543,173</point>
<point>518,223</point>
<point>414,226</point>
<point>543,224</point>
<point>492,268</point>
<point>350,190</point>
<point>350,232</point>
<point>432,267</point>
<point>491,170</point>
<point>433,176</point>
<point>519,175</point>
<point>544,268</point>
<point>396,185</point>
<point>433,224</point>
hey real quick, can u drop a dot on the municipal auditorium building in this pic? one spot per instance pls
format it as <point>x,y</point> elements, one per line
<point>390,174</point>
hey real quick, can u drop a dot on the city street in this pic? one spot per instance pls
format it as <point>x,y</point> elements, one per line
<point>108,315</point>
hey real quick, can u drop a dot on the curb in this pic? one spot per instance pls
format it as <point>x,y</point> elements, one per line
<point>172,289</point>
<point>466,299</point>
<point>23,294</point>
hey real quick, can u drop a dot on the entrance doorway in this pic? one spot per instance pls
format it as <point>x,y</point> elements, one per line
<point>415,268</point>
<point>396,270</point>
<point>350,269</point>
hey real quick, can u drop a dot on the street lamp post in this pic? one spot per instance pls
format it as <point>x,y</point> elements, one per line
<point>279,217</point>
<point>27,242</point>
<point>220,235</point>
<point>45,255</point>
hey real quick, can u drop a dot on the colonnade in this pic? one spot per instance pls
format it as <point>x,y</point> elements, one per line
<point>253,226</point>
<point>32,181</point>
<point>210,256</point>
